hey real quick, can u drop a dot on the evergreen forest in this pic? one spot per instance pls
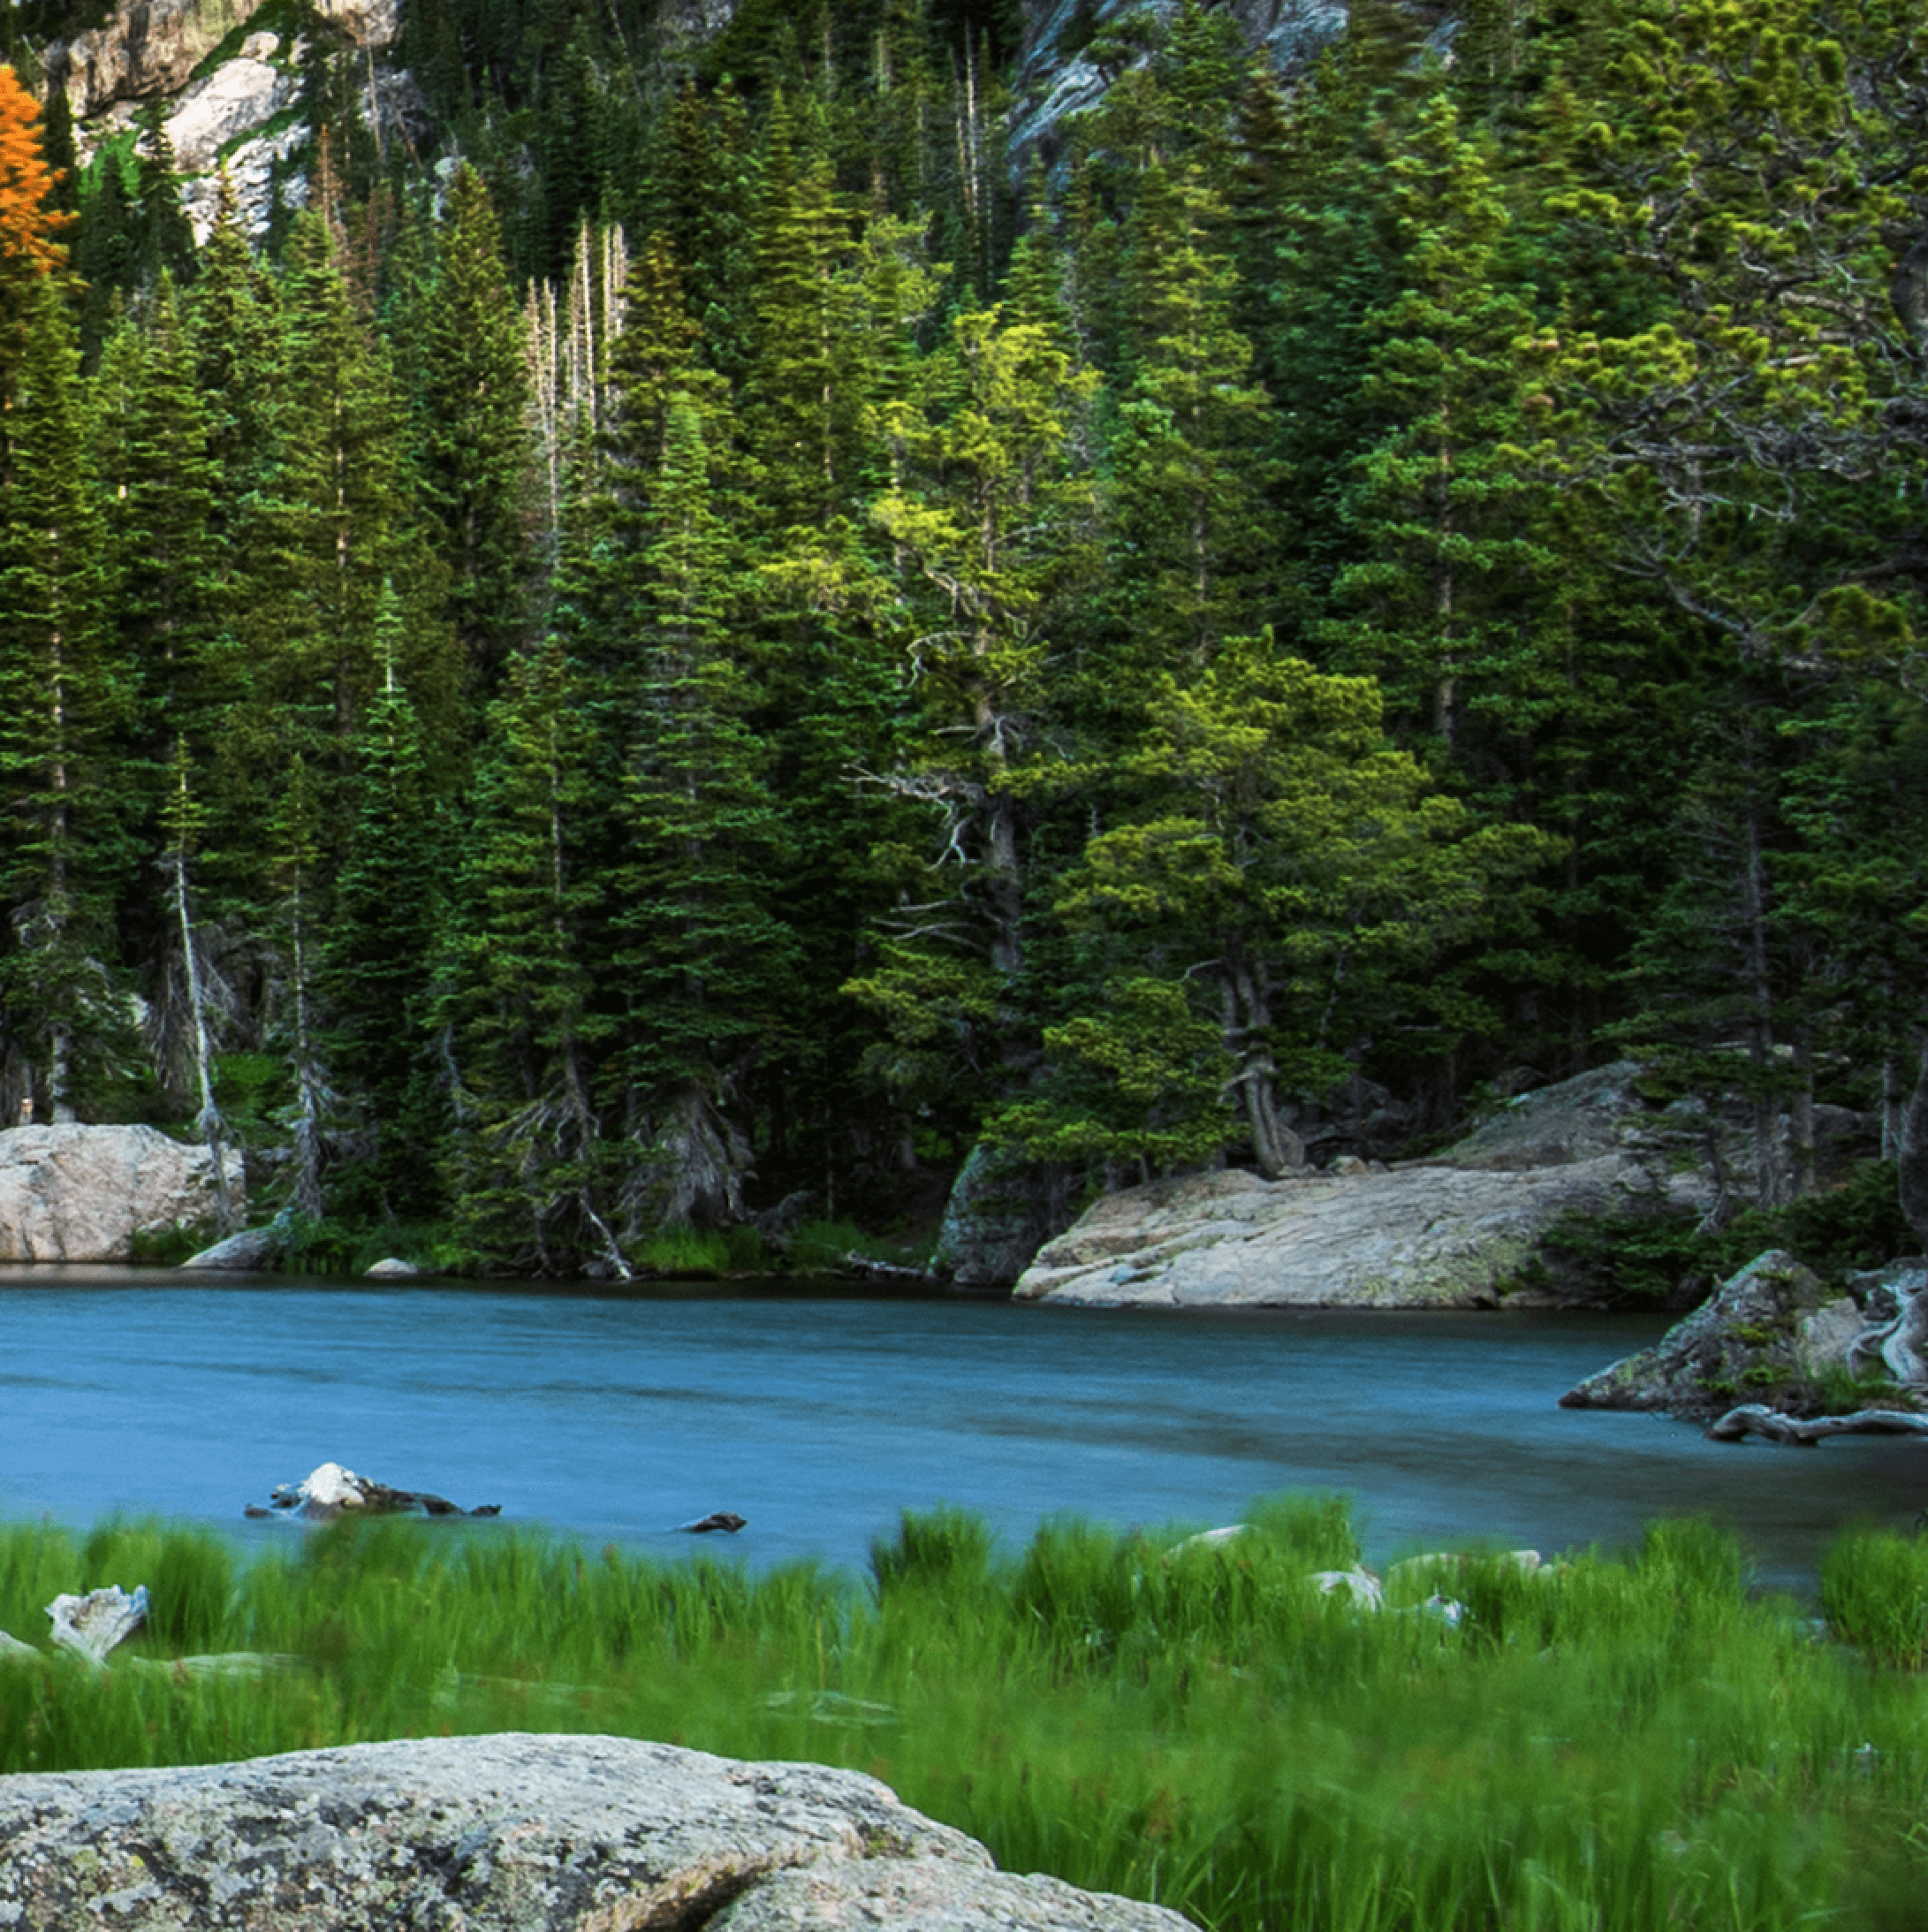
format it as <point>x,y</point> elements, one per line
<point>705,631</point>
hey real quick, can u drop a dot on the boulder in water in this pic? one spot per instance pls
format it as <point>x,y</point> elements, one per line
<point>325,1492</point>
<point>1767,1327</point>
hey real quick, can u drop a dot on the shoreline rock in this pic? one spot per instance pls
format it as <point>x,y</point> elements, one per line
<point>1767,1335</point>
<point>328,1489</point>
<point>499,1833</point>
<point>1767,1327</point>
<point>1464,1227</point>
<point>1421,1236</point>
<point>70,1193</point>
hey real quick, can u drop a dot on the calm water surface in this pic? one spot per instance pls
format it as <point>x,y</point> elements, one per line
<point>611,1416</point>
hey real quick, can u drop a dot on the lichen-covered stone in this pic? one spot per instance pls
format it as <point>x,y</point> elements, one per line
<point>927,1897</point>
<point>1760,1332</point>
<point>505,1834</point>
<point>1002,1206</point>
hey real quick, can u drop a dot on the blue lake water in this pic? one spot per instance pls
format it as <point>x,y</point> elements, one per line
<point>610,1417</point>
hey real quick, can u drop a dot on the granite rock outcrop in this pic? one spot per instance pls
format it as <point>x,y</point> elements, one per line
<point>82,1193</point>
<point>498,1834</point>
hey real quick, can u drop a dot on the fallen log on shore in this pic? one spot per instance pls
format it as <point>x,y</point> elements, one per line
<point>1756,1418</point>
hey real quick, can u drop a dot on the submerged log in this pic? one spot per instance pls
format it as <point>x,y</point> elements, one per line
<point>727,1520</point>
<point>1756,1418</point>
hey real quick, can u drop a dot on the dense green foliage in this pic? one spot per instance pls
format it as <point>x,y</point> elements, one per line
<point>702,654</point>
<point>1612,1743</point>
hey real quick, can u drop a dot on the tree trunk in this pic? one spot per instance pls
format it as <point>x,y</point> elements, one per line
<point>212,1128</point>
<point>1768,1191</point>
<point>1801,1116</point>
<point>1911,1163</point>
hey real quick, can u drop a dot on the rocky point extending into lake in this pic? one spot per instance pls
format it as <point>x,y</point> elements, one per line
<point>1462,1229</point>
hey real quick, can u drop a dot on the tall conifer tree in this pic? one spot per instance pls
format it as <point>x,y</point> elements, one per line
<point>62,712</point>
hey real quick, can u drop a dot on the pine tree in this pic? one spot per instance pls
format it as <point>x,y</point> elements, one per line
<point>993,516</point>
<point>333,527</point>
<point>533,1171</point>
<point>802,391</point>
<point>1287,874</point>
<point>1187,544</point>
<point>382,939</point>
<point>166,235</point>
<point>704,961</point>
<point>61,707</point>
<point>1451,585</point>
<point>709,175</point>
<point>1737,445</point>
<point>1716,970</point>
<point>233,315</point>
<point>473,451</point>
<point>168,591</point>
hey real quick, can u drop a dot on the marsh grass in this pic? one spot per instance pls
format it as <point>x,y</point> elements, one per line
<point>1614,1742</point>
<point>1874,1587</point>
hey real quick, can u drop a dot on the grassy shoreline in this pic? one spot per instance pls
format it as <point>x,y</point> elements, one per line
<point>1612,1743</point>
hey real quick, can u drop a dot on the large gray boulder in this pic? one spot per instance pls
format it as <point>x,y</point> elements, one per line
<point>1600,1112</point>
<point>78,1193</point>
<point>1002,1206</point>
<point>1763,1333</point>
<point>503,1834</point>
<point>1421,1236</point>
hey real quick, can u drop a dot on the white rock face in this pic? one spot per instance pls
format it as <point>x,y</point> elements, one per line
<point>239,94</point>
<point>500,1834</point>
<point>75,1193</point>
<point>1419,1237</point>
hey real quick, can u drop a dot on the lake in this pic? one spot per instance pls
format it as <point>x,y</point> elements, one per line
<point>610,1415</point>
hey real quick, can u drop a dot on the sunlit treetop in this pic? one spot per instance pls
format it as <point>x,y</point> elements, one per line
<point>29,225</point>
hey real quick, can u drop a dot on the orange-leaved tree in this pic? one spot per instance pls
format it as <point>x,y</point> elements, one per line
<point>30,223</point>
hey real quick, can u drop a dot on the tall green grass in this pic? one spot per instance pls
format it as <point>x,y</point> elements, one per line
<point>1621,1742</point>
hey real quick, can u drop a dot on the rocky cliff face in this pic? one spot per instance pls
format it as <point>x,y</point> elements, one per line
<point>156,46</point>
<point>153,47</point>
<point>1055,81</point>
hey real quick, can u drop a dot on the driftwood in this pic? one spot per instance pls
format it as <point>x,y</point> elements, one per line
<point>1756,1418</point>
<point>1897,1333</point>
<point>91,1625</point>
<point>886,1271</point>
